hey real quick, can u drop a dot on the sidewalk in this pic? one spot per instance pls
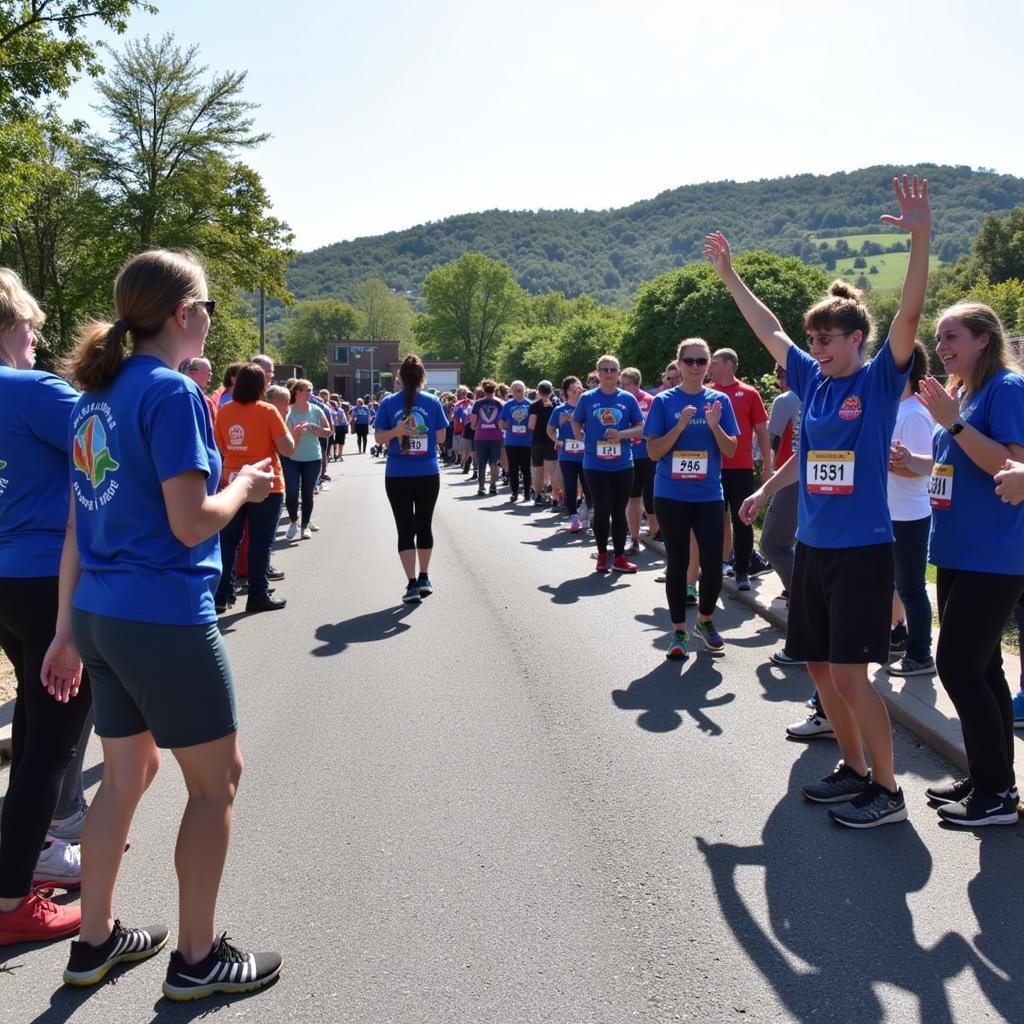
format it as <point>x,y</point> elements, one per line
<point>919,703</point>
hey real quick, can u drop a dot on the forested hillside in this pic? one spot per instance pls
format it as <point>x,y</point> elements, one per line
<point>608,253</point>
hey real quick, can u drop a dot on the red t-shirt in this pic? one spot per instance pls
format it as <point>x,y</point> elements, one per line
<point>750,411</point>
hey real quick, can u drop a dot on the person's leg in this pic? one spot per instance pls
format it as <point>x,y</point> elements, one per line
<point>841,717</point>
<point>622,481</point>
<point>674,517</point>
<point>693,571</point>
<point>708,522</point>
<point>571,483</point>
<point>524,469</point>
<point>230,536</point>
<point>72,790</point>
<point>496,456</point>
<point>635,504</point>
<point>910,562</point>
<point>855,692</point>
<point>740,487</point>
<point>537,465</point>
<point>426,490</point>
<point>555,478</point>
<point>263,517</point>
<point>647,467</point>
<point>600,486</point>
<point>290,469</point>
<point>308,474</point>
<point>481,464</point>
<point>401,497</point>
<point>211,772</point>
<point>779,531</point>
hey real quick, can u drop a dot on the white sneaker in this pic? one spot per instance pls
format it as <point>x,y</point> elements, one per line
<point>68,829</point>
<point>306,534</point>
<point>292,531</point>
<point>815,726</point>
<point>59,864</point>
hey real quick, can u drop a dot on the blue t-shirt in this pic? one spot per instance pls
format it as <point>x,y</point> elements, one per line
<point>514,415</point>
<point>361,416</point>
<point>562,416</point>
<point>150,425</point>
<point>598,412</point>
<point>845,433</point>
<point>692,469</point>
<point>420,458</point>
<point>971,526</point>
<point>33,471</point>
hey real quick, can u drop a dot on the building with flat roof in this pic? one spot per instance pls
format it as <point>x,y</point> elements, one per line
<point>356,369</point>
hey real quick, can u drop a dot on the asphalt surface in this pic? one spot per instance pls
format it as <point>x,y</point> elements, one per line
<point>505,805</point>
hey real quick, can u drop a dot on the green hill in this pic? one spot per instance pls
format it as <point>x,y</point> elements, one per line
<point>608,253</point>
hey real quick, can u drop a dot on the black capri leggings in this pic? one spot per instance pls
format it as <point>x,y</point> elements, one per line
<point>707,520</point>
<point>609,491</point>
<point>412,501</point>
<point>518,466</point>
<point>572,475</point>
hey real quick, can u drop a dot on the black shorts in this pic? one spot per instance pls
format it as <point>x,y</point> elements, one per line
<point>542,452</point>
<point>339,434</point>
<point>643,482</point>
<point>840,604</point>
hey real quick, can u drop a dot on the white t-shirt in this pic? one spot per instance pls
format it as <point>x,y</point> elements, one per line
<point>908,496</point>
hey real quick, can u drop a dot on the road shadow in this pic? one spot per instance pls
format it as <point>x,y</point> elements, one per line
<point>838,919</point>
<point>784,685</point>
<point>592,585</point>
<point>335,637</point>
<point>675,689</point>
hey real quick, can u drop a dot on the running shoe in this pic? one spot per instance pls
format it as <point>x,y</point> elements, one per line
<point>412,594</point>
<point>225,969</point>
<point>313,527</point>
<point>623,564</point>
<point>513,497</point>
<point>585,516</point>
<point>727,569</point>
<point>814,727</point>
<point>480,492</point>
<point>266,603</point>
<point>898,639</point>
<point>839,787</point>
<point>275,574</point>
<point>426,587</point>
<point>538,500</point>
<point>691,594</point>
<point>711,637</point>
<point>875,806</point>
<point>306,533</point>
<point>574,525</point>
<point>632,546</point>
<point>59,865</point>
<point>781,658</point>
<point>742,583</point>
<point>70,828</point>
<point>908,666</point>
<point>494,489</point>
<point>292,532</point>
<point>680,646</point>
<point>602,562</point>
<point>1018,710</point>
<point>950,792</point>
<point>88,965</point>
<point>978,809</point>
<point>662,578</point>
<point>759,565</point>
<point>38,920</point>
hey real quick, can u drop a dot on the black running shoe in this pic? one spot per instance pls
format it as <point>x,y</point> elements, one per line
<point>950,792</point>
<point>225,969</point>
<point>88,965</point>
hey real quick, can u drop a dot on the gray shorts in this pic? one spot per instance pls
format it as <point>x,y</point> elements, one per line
<point>172,681</point>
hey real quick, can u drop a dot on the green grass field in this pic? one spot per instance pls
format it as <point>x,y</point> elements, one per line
<point>883,238</point>
<point>892,268</point>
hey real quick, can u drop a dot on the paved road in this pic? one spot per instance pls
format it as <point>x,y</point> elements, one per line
<point>504,805</point>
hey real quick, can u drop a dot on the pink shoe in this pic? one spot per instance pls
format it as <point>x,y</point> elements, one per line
<point>574,526</point>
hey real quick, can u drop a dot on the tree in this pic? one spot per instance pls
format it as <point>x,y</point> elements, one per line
<point>999,247</point>
<point>307,332</point>
<point>693,302</point>
<point>471,305</point>
<point>386,316</point>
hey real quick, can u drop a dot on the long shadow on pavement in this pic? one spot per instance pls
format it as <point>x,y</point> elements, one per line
<point>675,687</point>
<point>335,637</point>
<point>838,919</point>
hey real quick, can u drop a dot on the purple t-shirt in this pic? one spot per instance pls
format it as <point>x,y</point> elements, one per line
<point>487,412</point>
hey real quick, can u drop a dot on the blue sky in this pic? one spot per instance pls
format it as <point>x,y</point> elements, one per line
<point>388,115</point>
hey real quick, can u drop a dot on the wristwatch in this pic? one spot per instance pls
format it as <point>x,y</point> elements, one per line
<point>956,426</point>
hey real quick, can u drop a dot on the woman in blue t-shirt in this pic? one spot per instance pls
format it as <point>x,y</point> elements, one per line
<point>689,428</point>
<point>140,561</point>
<point>977,546</point>
<point>839,616</point>
<point>412,424</point>
<point>514,421</point>
<point>570,454</point>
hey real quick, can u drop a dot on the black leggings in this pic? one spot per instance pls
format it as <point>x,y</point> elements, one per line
<point>973,608</point>
<point>572,476</point>
<point>609,491</point>
<point>362,431</point>
<point>738,485</point>
<point>707,520</point>
<point>412,502</point>
<point>46,734</point>
<point>518,465</point>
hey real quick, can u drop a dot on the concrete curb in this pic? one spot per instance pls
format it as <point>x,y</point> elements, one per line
<point>919,704</point>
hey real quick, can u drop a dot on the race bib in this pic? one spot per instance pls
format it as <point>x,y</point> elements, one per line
<point>830,473</point>
<point>940,486</point>
<point>573,447</point>
<point>609,450</point>
<point>689,465</point>
<point>518,428</point>
<point>419,445</point>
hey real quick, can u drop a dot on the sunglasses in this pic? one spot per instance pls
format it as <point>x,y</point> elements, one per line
<point>826,339</point>
<point>608,369</point>
<point>695,360</point>
<point>208,304</point>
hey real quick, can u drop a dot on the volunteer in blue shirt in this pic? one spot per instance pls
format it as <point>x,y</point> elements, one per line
<point>606,420</point>
<point>140,561</point>
<point>412,423</point>
<point>977,545</point>
<point>839,615</point>
<point>513,420</point>
<point>570,454</point>
<point>33,513</point>
<point>689,428</point>
<point>361,416</point>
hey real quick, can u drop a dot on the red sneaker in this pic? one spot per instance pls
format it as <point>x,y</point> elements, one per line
<point>622,564</point>
<point>602,562</point>
<point>38,920</point>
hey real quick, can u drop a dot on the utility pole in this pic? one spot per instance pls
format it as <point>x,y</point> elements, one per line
<point>263,320</point>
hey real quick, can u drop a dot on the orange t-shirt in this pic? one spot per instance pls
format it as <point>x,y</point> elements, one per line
<point>246,434</point>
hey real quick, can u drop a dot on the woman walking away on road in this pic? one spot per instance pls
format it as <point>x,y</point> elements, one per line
<point>606,420</point>
<point>36,408</point>
<point>136,599</point>
<point>839,615</point>
<point>690,428</point>
<point>977,545</point>
<point>307,424</point>
<point>361,416</point>
<point>411,422</point>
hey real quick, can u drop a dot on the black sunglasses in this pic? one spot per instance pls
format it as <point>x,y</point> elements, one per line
<point>695,360</point>
<point>208,304</point>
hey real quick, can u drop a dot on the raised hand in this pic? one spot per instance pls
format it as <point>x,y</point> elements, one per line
<point>685,416</point>
<point>716,248</point>
<point>713,414</point>
<point>912,197</point>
